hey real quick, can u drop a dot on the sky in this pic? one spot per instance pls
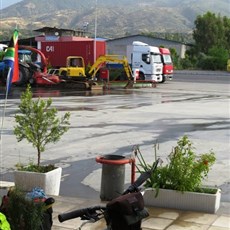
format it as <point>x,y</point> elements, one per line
<point>6,3</point>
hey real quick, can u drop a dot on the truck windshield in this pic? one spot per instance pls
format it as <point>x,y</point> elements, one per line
<point>167,58</point>
<point>156,57</point>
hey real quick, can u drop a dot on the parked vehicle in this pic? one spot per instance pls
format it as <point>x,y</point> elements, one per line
<point>167,64</point>
<point>31,71</point>
<point>72,75</point>
<point>76,70</point>
<point>27,67</point>
<point>147,59</point>
<point>107,60</point>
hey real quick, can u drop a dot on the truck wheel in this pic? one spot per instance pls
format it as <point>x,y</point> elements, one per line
<point>24,76</point>
<point>163,79</point>
<point>141,76</point>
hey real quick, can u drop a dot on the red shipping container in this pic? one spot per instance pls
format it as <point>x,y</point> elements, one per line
<point>57,51</point>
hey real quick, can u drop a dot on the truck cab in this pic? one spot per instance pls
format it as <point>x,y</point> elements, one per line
<point>147,59</point>
<point>167,64</point>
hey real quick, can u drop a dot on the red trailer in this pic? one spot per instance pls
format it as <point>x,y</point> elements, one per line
<point>58,50</point>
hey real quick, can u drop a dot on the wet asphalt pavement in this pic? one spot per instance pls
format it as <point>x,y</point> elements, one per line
<point>113,121</point>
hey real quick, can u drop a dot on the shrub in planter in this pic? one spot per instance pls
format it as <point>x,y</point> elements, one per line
<point>178,184</point>
<point>184,171</point>
<point>23,213</point>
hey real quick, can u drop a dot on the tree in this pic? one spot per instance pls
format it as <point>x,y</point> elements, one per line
<point>212,41</point>
<point>226,22</point>
<point>38,122</point>
<point>211,30</point>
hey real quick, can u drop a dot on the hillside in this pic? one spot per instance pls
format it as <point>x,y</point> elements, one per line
<point>114,18</point>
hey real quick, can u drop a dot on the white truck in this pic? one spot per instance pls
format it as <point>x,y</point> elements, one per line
<point>147,59</point>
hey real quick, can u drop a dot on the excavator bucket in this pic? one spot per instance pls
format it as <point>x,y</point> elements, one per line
<point>96,86</point>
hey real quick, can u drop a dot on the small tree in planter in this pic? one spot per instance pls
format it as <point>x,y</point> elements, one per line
<point>38,123</point>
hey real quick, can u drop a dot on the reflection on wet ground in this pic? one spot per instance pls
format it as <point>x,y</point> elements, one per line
<point>72,100</point>
<point>15,92</point>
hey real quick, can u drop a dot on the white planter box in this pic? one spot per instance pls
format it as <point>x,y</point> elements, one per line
<point>191,201</point>
<point>49,182</point>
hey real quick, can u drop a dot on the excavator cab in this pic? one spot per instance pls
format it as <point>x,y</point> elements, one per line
<point>75,68</point>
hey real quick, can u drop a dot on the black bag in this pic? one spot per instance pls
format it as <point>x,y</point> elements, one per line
<point>126,212</point>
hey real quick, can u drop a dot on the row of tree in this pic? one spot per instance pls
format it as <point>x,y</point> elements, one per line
<point>211,48</point>
<point>210,43</point>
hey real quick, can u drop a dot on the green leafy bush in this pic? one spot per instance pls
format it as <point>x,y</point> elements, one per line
<point>22,213</point>
<point>184,171</point>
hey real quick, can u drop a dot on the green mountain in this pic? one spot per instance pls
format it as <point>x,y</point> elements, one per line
<point>113,18</point>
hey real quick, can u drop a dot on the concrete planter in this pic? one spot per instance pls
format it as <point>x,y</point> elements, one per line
<point>191,201</point>
<point>49,182</point>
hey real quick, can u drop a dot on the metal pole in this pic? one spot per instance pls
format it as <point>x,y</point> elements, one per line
<point>95,36</point>
<point>95,32</point>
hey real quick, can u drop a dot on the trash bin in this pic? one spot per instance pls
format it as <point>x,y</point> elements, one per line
<point>113,175</point>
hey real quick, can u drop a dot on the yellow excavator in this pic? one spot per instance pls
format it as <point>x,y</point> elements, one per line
<point>75,68</point>
<point>102,60</point>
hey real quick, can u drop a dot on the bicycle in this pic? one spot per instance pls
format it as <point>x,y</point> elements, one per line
<point>122,213</point>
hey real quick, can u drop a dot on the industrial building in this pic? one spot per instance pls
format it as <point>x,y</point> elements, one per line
<point>118,45</point>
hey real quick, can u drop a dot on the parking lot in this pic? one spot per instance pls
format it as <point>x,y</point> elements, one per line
<point>112,122</point>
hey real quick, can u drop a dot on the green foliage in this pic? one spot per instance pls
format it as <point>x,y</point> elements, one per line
<point>35,168</point>
<point>212,42</point>
<point>216,59</point>
<point>211,31</point>
<point>185,170</point>
<point>24,214</point>
<point>38,123</point>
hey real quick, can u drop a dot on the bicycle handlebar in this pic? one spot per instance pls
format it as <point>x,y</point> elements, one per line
<point>79,213</point>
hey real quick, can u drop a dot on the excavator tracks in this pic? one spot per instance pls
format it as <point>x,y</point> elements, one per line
<point>80,85</point>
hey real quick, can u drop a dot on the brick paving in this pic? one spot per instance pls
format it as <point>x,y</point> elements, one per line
<point>159,219</point>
